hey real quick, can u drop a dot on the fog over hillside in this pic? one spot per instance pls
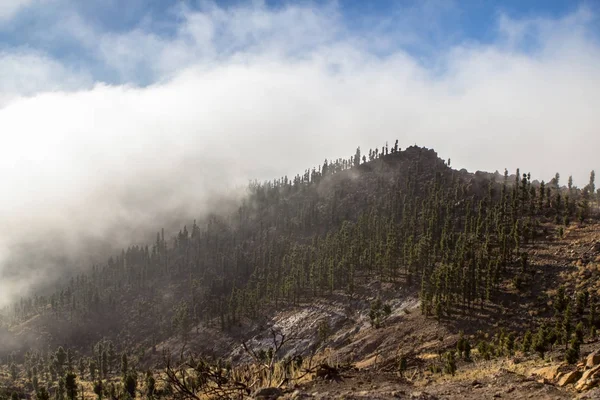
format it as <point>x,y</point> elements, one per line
<point>250,92</point>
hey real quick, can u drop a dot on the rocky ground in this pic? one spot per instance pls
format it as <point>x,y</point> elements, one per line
<point>533,379</point>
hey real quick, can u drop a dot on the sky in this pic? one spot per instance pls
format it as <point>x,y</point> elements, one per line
<point>117,116</point>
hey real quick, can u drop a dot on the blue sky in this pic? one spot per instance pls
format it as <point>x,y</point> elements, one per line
<point>55,28</point>
<point>116,115</point>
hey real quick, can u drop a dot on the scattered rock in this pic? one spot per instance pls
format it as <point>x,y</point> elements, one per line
<point>592,394</point>
<point>569,377</point>
<point>268,393</point>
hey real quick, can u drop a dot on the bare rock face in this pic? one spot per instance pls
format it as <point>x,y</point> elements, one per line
<point>569,377</point>
<point>592,360</point>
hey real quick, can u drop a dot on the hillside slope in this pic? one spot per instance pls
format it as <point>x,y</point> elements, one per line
<point>381,264</point>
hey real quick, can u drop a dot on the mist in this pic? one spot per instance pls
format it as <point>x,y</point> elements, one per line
<point>252,93</point>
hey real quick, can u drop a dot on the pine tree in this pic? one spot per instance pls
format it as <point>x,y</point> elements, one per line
<point>13,371</point>
<point>124,366</point>
<point>71,385</point>
<point>98,389</point>
<point>560,301</point>
<point>450,365</point>
<point>92,369</point>
<point>483,348</point>
<point>150,385</point>
<point>60,390</point>
<point>526,344</point>
<point>357,157</point>
<point>42,394</point>
<point>104,364</point>
<point>579,332</point>
<point>61,359</point>
<point>509,343</point>
<point>540,344</point>
<point>570,183</point>
<point>69,360</point>
<point>567,327</point>
<point>130,383</point>
<point>81,367</point>
<point>463,347</point>
<point>572,354</point>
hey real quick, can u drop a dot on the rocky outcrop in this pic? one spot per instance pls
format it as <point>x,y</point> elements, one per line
<point>589,374</point>
<point>584,377</point>
<point>589,379</point>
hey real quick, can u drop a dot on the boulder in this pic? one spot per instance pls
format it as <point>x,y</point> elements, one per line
<point>592,360</point>
<point>569,377</point>
<point>548,373</point>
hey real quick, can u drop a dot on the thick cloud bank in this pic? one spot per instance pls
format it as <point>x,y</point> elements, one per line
<point>251,92</point>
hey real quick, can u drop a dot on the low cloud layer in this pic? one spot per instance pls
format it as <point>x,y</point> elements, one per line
<point>250,92</point>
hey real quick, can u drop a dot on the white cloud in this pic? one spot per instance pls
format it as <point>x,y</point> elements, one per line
<point>25,72</point>
<point>214,34</point>
<point>233,102</point>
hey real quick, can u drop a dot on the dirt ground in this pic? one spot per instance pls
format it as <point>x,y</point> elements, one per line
<point>375,385</point>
